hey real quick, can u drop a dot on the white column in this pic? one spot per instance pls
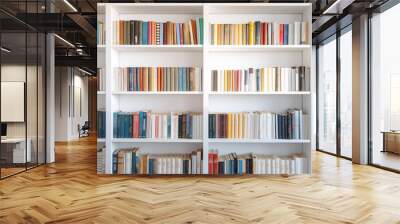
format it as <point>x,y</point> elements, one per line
<point>50,100</point>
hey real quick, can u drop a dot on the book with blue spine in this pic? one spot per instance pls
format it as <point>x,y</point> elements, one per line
<point>144,33</point>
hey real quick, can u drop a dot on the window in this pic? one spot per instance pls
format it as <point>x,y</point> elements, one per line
<point>385,89</point>
<point>327,97</point>
<point>346,93</point>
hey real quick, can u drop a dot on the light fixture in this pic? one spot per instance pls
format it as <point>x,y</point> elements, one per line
<point>5,49</point>
<point>64,40</point>
<point>86,72</point>
<point>338,6</point>
<point>70,5</point>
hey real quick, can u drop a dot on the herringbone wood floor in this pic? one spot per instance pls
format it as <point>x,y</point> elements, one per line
<point>69,191</point>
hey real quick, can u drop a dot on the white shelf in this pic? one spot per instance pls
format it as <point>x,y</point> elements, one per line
<point>150,140</point>
<point>258,48</point>
<point>271,141</point>
<point>157,93</point>
<point>258,93</point>
<point>208,57</point>
<point>158,48</point>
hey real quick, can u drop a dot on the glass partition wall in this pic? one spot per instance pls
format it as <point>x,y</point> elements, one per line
<point>22,77</point>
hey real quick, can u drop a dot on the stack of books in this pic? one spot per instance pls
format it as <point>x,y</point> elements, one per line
<point>251,163</point>
<point>101,80</point>
<point>130,161</point>
<point>257,125</point>
<point>137,32</point>
<point>146,124</point>
<point>271,79</point>
<point>101,124</point>
<point>101,33</point>
<point>158,79</point>
<point>260,33</point>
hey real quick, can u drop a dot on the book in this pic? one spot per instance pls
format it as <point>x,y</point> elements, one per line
<point>138,32</point>
<point>251,163</point>
<point>260,33</point>
<point>257,125</point>
<point>101,33</point>
<point>131,161</point>
<point>270,79</point>
<point>147,124</point>
<point>158,79</point>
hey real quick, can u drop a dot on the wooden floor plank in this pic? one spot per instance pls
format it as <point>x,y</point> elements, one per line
<point>70,191</point>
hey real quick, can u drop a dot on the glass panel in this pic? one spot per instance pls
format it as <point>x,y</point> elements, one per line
<point>327,97</point>
<point>346,94</point>
<point>385,84</point>
<point>13,87</point>
<point>41,99</point>
<point>31,98</point>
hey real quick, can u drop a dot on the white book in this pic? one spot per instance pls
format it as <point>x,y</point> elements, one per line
<point>292,166</point>
<point>268,165</point>
<point>164,165</point>
<point>159,166</point>
<point>277,165</point>
<point>276,33</point>
<point>297,33</point>
<point>291,36</point>
<point>260,165</point>
<point>194,165</point>
<point>173,165</point>
<point>180,165</point>
<point>304,33</point>
<point>128,163</point>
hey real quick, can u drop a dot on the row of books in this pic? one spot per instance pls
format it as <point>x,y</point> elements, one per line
<point>101,124</point>
<point>251,163</point>
<point>146,124</point>
<point>260,33</point>
<point>269,79</point>
<point>101,33</point>
<point>257,125</point>
<point>137,32</point>
<point>158,79</point>
<point>130,161</point>
<point>101,79</point>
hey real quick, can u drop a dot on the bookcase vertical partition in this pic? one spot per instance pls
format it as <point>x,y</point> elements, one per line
<point>209,57</point>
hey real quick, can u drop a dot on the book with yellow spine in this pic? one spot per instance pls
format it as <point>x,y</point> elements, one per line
<point>251,33</point>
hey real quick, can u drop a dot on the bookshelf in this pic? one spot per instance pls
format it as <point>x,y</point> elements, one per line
<point>209,57</point>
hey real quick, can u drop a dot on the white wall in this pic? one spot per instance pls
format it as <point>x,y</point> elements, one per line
<point>69,81</point>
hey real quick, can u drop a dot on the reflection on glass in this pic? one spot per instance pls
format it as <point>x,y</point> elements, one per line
<point>346,94</point>
<point>31,97</point>
<point>327,97</point>
<point>385,84</point>
<point>13,86</point>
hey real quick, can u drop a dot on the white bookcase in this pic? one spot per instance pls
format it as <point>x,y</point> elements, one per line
<point>208,57</point>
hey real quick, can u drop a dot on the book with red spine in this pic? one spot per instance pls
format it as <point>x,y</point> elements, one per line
<point>281,33</point>
<point>210,163</point>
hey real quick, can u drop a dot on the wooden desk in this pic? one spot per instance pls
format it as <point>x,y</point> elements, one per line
<point>391,141</point>
<point>13,150</point>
